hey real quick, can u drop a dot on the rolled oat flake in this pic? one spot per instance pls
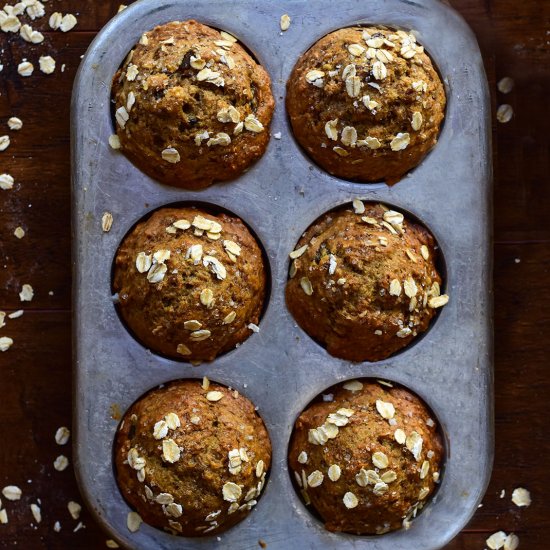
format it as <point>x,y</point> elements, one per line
<point>505,85</point>
<point>505,113</point>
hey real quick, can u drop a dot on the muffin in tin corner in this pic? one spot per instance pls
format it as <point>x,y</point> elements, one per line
<point>191,284</point>
<point>192,458</point>
<point>192,107</point>
<point>364,282</point>
<point>366,457</point>
<point>366,104</point>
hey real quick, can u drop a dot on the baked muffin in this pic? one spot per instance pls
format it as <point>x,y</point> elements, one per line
<point>191,105</point>
<point>368,460</point>
<point>366,103</point>
<point>364,283</point>
<point>192,459</point>
<point>190,284</point>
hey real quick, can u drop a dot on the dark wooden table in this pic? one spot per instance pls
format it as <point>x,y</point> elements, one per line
<point>35,374</point>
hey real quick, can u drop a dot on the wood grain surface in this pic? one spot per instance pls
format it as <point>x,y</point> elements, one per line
<point>35,374</point>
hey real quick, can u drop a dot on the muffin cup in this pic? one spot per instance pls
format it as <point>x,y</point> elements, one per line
<point>370,330</point>
<point>249,272</point>
<point>280,369</point>
<point>362,430</point>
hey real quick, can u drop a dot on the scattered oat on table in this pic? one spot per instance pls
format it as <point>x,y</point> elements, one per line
<point>4,142</point>
<point>68,22</point>
<point>10,24</point>
<point>19,232</point>
<point>12,492</point>
<point>55,20</point>
<point>505,85</point>
<point>62,435</point>
<point>79,526</point>
<point>25,68</point>
<point>15,123</point>
<point>5,344</point>
<point>505,113</point>
<point>28,34</point>
<point>500,540</point>
<point>521,497</point>
<point>61,463</point>
<point>6,182</point>
<point>47,64</point>
<point>511,542</point>
<point>27,293</point>
<point>34,8</point>
<point>36,512</point>
<point>74,509</point>
<point>496,540</point>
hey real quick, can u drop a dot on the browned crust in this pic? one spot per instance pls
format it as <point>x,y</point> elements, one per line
<point>196,480</point>
<point>176,107</point>
<point>156,312</point>
<point>366,433</point>
<point>310,107</point>
<point>345,317</point>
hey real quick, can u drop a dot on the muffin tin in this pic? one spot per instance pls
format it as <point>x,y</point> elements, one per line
<point>281,369</point>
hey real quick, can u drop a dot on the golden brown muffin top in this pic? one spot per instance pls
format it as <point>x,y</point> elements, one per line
<point>361,96</point>
<point>192,106</point>
<point>368,459</point>
<point>192,458</point>
<point>191,284</point>
<point>364,283</point>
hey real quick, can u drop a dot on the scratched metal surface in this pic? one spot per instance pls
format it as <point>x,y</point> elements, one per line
<point>281,369</point>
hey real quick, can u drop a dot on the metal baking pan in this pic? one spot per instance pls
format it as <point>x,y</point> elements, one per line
<point>281,368</point>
